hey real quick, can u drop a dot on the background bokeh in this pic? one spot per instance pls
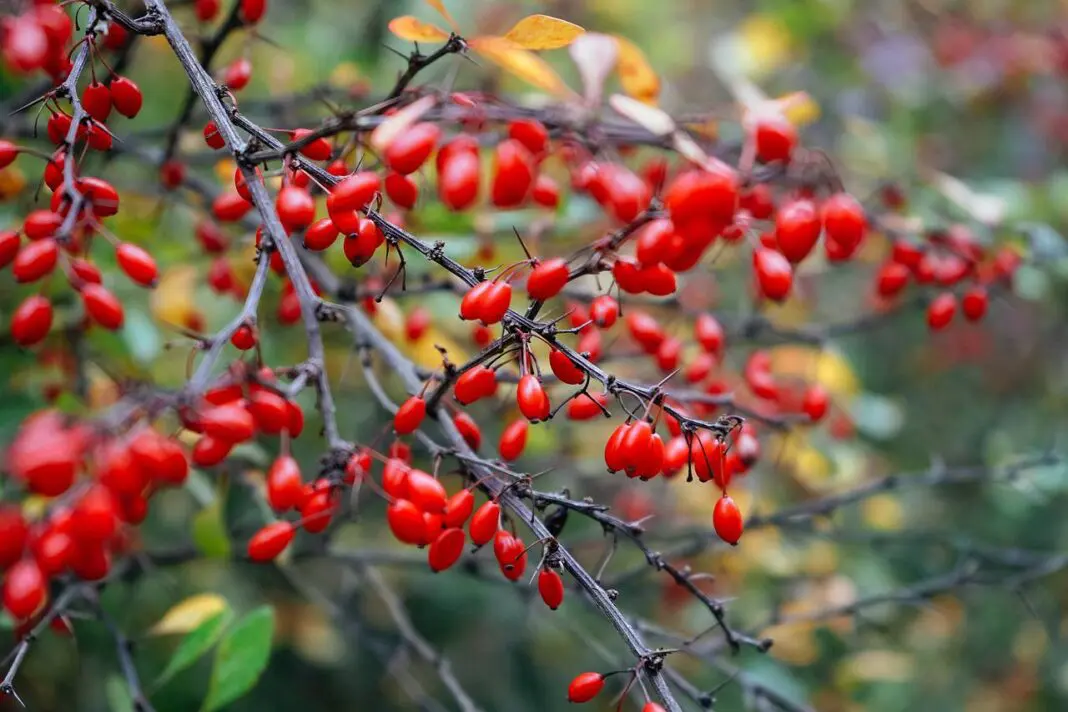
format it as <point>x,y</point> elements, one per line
<point>976,89</point>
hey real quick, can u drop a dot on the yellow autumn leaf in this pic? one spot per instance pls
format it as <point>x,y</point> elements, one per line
<point>799,107</point>
<point>424,352</point>
<point>767,43</point>
<point>521,62</point>
<point>827,366</point>
<point>172,300</point>
<point>440,7</point>
<point>543,32</point>
<point>188,614</point>
<point>635,74</point>
<point>12,182</point>
<point>415,30</point>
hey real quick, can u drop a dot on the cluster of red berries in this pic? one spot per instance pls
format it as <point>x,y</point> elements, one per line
<point>100,486</point>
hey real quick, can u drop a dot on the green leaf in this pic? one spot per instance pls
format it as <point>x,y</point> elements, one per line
<point>241,658</point>
<point>209,534</point>
<point>141,336</point>
<point>118,695</point>
<point>195,644</point>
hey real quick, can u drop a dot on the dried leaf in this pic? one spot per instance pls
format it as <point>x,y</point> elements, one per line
<point>637,77</point>
<point>440,7</point>
<point>395,125</point>
<point>415,30</point>
<point>521,62</point>
<point>648,117</point>
<point>595,55</point>
<point>190,613</point>
<point>543,32</point>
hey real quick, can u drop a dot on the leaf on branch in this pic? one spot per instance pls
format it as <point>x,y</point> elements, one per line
<point>241,658</point>
<point>196,644</point>
<point>415,30</point>
<point>648,117</point>
<point>397,124</point>
<point>983,207</point>
<point>172,299</point>
<point>440,7</point>
<point>635,74</point>
<point>688,148</point>
<point>521,62</point>
<point>538,32</point>
<point>190,613</point>
<point>209,532</point>
<point>595,55</point>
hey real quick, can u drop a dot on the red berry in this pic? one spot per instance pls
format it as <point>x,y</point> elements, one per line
<point>458,508</point>
<point>565,369</point>
<point>104,308</point>
<point>774,274</point>
<point>604,310</point>
<point>320,235</point>
<point>24,589</point>
<point>96,100</point>
<point>797,228</point>
<point>402,190</point>
<point>252,11</point>
<point>844,220</point>
<point>547,279</point>
<point>230,207</point>
<point>409,150</point>
<point>727,520</point>
<point>458,179</point>
<point>469,429</point>
<point>137,264</point>
<point>285,486</point>
<point>709,333</point>
<point>210,451</point>
<point>775,138</point>
<point>974,303</point>
<point>95,516</point>
<point>244,338</point>
<point>532,399</point>
<point>426,492</point>
<point>815,402</point>
<point>545,193</point>
<point>352,193</point>
<point>317,511</point>
<point>531,133</point>
<point>237,74</point>
<point>270,541</point>
<point>295,206</point>
<point>35,260</point>
<point>585,687</point>
<point>891,278</point>
<point>446,549</point>
<point>417,323</point>
<point>31,321</point>
<point>941,310</point>
<point>406,522</point>
<point>513,174</point>
<point>410,415</point>
<point>484,523</point>
<point>14,534</point>
<point>318,150</point>
<point>125,96</point>
<point>212,137</point>
<point>206,10</point>
<point>514,439</point>
<point>551,588</point>
<point>229,423</point>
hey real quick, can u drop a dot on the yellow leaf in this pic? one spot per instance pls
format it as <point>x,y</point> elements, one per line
<point>766,41</point>
<point>415,30</point>
<point>883,512</point>
<point>396,124</point>
<point>800,108</point>
<point>440,7</point>
<point>637,77</point>
<point>12,181</point>
<point>188,614</point>
<point>521,62</point>
<point>172,299</point>
<point>543,32</point>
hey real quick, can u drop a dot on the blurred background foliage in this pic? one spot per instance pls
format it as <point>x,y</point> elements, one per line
<point>975,89</point>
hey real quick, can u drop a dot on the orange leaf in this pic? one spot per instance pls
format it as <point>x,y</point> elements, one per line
<point>440,7</point>
<point>389,129</point>
<point>415,30</point>
<point>637,77</point>
<point>521,62</point>
<point>543,32</point>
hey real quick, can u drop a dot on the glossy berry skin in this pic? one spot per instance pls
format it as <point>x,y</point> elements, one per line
<point>843,220</point>
<point>484,523</point>
<point>137,264</point>
<point>709,333</point>
<point>353,193</point>
<point>35,260</point>
<point>532,399</point>
<point>531,133</point>
<point>458,180</point>
<point>402,190</point>
<point>565,369</point>
<point>14,534</point>
<point>24,589</point>
<point>513,174</point>
<point>446,549</point>
<point>547,279</point>
<point>774,275</point>
<point>285,486</point>
<point>270,541</point>
<point>406,522</point>
<point>410,415</point>
<point>797,228</point>
<point>815,402</point>
<point>229,423</point>
<point>409,150</point>
<point>474,384</point>
<point>295,206</point>
<point>775,138</point>
<point>727,520</point>
<point>458,508</point>
<point>551,588</point>
<point>891,278</point>
<point>103,306</point>
<point>513,440</point>
<point>126,96</point>
<point>604,311</point>
<point>585,687</point>
<point>31,321</point>
<point>96,100</point>
<point>941,310</point>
